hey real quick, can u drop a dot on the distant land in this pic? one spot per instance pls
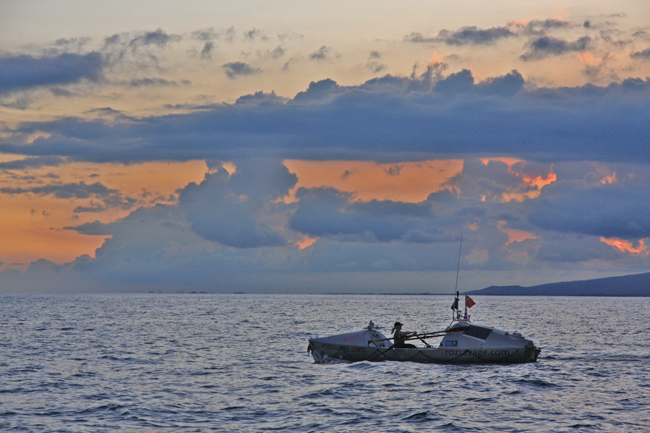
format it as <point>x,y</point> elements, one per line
<point>629,285</point>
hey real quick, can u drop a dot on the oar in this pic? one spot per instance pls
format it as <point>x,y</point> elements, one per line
<point>412,337</point>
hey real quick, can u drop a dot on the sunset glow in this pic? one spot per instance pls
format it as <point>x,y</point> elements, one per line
<point>627,246</point>
<point>410,182</point>
<point>515,235</point>
<point>305,242</point>
<point>231,148</point>
<point>34,222</point>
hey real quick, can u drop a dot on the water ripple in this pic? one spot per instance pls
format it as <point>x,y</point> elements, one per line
<point>223,363</point>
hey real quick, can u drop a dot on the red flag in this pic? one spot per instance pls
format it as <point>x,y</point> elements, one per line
<point>469,302</point>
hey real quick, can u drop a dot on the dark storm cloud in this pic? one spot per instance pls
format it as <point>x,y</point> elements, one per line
<point>25,72</point>
<point>465,36</point>
<point>571,249</point>
<point>328,212</point>
<point>230,209</point>
<point>69,190</point>
<point>239,69</point>
<point>620,210</point>
<point>388,118</point>
<point>546,46</point>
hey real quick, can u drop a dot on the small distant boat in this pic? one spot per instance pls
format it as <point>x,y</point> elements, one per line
<point>462,343</point>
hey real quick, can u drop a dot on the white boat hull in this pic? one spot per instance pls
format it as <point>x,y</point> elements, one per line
<point>462,344</point>
<point>321,351</point>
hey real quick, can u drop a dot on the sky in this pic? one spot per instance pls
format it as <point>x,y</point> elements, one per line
<point>322,147</point>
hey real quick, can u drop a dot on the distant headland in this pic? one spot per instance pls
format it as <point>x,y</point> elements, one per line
<point>629,285</point>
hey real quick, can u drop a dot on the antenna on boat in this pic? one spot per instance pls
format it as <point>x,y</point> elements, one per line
<point>458,265</point>
<point>460,247</point>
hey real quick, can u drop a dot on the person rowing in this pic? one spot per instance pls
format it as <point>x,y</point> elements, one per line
<point>400,336</point>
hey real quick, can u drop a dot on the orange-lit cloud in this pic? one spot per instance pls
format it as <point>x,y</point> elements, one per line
<point>608,179</point>
<point>517,23</point>
<point>436,57</point>
<point>507,161</point>
<point>406,181</point>
<point>624,245</point>
<point>538,181</point>
<point>515,235</point>
<point>32,224</point>
<point>21,244</point>
<point>306,241</point>
<point>587,59</point>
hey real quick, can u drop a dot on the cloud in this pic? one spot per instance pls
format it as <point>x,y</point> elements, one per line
<point>470,35</point>
<point>260,98</point>
<point>463,82</point>
<point>328,212</point>
<point>506,85</point>
<point>93,228</point>
<point>545,46</point>
<point>323,53</point>
<point>276,53</point>
<point>641,55</point>
<point>78,190</point>
<point>25,72</point>
<point>158,38</point>
<point>542,27</point>
<point>188,245</point>
<point>374,62</point>
<point>388,118</point>
<point>67,45</point>
<point>208,34</point>
<point>150,82</point>
<point>239,69</point>
<point>255,34</point>
<point>208,48</point>
<point>616,210</point>
<point>37,162</point>
<point>230,209</point>
<point>318,90</point>
<point>458,82</point>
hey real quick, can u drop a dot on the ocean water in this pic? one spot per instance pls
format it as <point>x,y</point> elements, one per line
<point>238,363</point>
